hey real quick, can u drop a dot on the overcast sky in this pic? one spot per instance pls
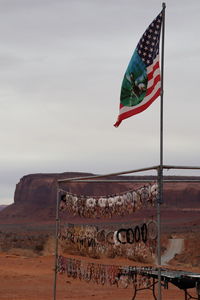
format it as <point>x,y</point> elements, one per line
<point>61,67</point>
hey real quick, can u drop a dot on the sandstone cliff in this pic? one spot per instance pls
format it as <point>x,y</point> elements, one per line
<point>35,195</point>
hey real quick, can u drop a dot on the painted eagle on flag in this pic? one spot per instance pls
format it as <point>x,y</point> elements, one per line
<point>141,84</point>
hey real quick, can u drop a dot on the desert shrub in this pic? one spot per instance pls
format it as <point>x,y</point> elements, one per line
<point>22,252</point>
<point>39,248</point>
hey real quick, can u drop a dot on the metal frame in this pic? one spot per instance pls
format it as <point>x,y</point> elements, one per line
<point>187,295</point>
<point>94,179</point>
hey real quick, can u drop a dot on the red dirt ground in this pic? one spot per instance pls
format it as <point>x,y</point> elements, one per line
<point>32,278</point>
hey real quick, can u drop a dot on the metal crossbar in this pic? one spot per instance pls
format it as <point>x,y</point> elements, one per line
<point>86,178</point>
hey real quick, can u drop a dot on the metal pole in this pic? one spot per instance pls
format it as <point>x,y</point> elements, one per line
<point>159,233</point>
<point>160,169</point>
<point>56,245</point>
<point>107,175</point>
<point>94,177</point>
<point>181,167</point>
<point>133,180</point>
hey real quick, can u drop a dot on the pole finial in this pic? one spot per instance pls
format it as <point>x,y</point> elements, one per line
<point>163,5</point>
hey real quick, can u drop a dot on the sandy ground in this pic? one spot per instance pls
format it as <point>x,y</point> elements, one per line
<point>32,278</point>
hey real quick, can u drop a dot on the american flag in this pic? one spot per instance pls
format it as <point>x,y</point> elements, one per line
<point>147,56</point>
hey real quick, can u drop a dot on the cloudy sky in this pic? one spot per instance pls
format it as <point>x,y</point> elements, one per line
<point>61,68</point>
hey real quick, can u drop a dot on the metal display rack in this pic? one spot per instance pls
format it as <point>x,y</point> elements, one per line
<point>159,275</point>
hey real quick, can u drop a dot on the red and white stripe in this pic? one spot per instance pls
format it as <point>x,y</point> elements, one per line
<point>153,91</point>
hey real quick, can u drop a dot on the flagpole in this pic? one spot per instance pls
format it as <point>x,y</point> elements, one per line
<point>160,169</point>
